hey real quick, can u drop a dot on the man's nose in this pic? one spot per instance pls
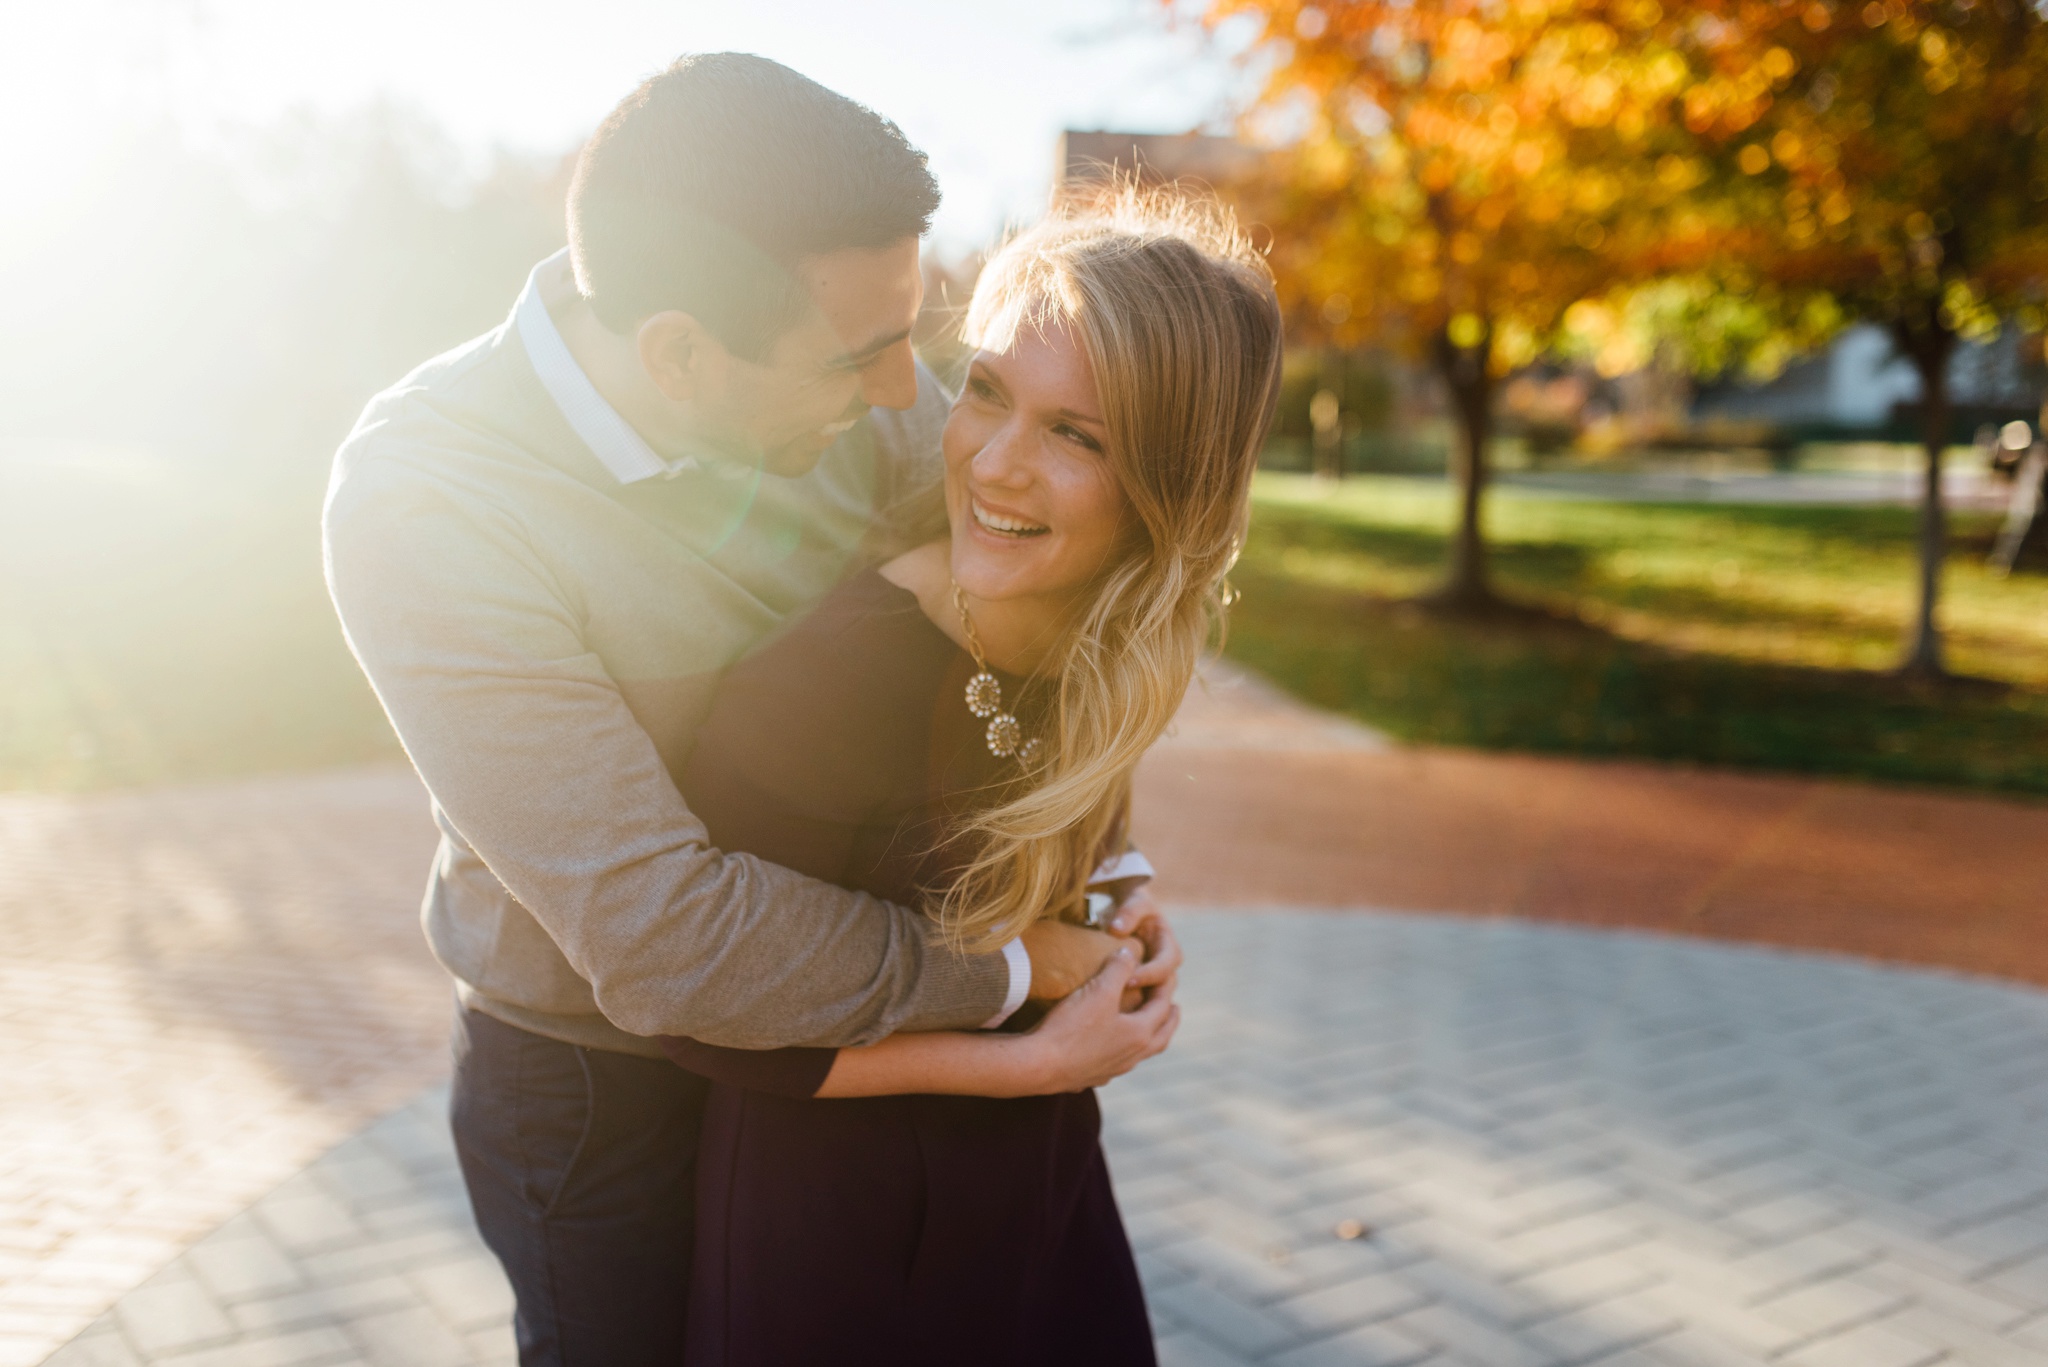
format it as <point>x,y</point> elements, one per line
<point>890,380</point>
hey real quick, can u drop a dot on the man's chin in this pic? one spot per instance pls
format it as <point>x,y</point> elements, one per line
<point>796,459</point>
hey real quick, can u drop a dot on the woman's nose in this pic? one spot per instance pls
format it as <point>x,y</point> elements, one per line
<point>1003,458</point>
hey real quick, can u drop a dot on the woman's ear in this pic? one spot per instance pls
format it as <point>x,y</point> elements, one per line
<point>681,356</point>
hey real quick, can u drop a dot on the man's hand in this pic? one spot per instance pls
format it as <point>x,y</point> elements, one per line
<point>1063,957</point>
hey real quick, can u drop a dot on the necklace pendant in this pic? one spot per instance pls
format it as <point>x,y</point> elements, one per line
<point>1031,753</point>
<point>984,694</point>
<point>1005,735</point>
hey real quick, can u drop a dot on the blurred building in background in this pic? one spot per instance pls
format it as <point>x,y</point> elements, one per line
<point>1861,387</point>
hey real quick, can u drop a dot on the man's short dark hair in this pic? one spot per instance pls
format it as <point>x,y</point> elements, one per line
<point>711,181</point>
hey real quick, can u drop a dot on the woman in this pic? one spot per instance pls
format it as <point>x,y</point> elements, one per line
<point>960,728</point>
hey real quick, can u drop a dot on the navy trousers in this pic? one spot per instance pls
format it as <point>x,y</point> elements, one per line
<point>581,1166</point>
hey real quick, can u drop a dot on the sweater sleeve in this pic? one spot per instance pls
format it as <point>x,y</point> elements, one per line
<point>527,744</point>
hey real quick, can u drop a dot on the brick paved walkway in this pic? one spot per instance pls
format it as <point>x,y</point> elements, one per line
<point>202,989</point>
<point>206,988</point>
<point>1550,1146</point>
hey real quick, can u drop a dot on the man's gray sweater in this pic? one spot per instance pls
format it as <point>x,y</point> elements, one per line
<point>545,640</point>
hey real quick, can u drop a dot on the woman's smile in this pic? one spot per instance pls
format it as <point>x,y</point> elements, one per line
<point>1004,524</point>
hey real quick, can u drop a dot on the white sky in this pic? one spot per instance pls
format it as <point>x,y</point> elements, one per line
<point>984,86</point>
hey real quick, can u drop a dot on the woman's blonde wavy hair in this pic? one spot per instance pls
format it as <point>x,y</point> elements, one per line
<point>1177,314</point>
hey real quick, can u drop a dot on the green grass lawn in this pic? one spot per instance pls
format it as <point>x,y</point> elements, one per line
<point>1718,634</point>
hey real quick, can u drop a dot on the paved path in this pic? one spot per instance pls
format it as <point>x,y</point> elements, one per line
<point>205,988</point>
<point>1545,1145</point>
<point>202,989</point>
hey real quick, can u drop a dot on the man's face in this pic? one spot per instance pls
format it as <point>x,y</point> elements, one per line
<point>849,354</point>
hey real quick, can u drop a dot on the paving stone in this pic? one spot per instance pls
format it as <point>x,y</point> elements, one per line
<point>1367,1346</point>
<point>244,1266</point>
<point>1188,1348</point>
<point>170,1317</point>
<point>1362,1299</point>
<point>1871,1345</point>
<point>307,1220</point>
<point>1830,1307</point>
<point>323,1304</point>
<point>493,1347</point>
<point>1218,1315</point>
<point>1724,1317</point>
<point>469,1293</point>
<point>1471,1337</point>
<point>413,1337</point>
<point>1599,1331</point>
<point>322,1347</point>
<point>104,1348</point>
<point>1693,1346</point>
<point>1965,1342</point>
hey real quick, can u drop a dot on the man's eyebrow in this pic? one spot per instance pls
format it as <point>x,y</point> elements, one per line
<point>871,350</point>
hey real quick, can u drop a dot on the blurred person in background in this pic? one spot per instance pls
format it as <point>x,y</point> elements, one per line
<point>545,547</point>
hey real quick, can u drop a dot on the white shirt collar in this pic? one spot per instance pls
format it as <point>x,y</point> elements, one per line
<point>620,449</point>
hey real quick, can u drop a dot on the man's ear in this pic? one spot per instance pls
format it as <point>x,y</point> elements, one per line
<point>682,357</point>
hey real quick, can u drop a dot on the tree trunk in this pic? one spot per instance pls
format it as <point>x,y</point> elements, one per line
<point>1468,585</point>
<point>1929,347</point>
<point>1326,419</point>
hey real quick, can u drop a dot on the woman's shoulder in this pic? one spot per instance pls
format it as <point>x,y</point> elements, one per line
<point>865,621</point>
<point>839,702</point>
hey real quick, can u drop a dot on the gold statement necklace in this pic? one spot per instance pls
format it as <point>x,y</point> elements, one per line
<point>1005,735</point>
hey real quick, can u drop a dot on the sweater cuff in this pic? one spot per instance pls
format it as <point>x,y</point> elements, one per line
<point>1019,960</point>
<point>957,991</point>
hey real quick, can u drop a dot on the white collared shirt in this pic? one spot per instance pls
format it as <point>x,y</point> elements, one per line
<point>622,451</point>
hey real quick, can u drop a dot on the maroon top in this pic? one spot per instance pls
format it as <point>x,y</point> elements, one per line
<point>913,1231</point>
<point>843,749</point>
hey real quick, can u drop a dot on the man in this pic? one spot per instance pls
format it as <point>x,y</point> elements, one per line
<point>544,546</point>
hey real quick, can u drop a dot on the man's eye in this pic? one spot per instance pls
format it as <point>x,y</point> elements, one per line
<point>981,389</point>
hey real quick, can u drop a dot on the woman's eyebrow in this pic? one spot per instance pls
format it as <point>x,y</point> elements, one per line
<point>1075,415</point>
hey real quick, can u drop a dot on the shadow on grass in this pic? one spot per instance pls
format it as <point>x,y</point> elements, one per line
<point>1564,570</point>
<point>1533,681</point>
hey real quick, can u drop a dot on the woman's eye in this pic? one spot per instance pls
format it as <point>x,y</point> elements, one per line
<point>1078,437</point>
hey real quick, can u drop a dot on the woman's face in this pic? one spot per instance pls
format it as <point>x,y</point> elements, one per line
<point>1036,511</point>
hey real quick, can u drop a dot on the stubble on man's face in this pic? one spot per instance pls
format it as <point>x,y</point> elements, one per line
<point>849,353</point>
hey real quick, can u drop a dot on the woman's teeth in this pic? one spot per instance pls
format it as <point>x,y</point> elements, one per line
<point>1006,526</point>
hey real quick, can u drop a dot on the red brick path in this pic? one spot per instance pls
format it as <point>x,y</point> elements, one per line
<point>1921,877</point>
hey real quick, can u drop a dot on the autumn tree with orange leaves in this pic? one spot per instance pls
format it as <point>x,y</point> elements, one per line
<point>1463,172</point>
<point>1902,172</point>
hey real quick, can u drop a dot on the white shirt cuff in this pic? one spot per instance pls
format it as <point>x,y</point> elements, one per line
<point>1019,960</point>
<point>1129,864</point>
